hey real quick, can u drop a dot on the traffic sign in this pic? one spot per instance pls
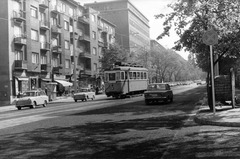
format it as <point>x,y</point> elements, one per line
<point>210,37</point>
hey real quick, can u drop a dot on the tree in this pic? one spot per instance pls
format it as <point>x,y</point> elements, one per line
<point>191,19</point>
<point>115,53</point>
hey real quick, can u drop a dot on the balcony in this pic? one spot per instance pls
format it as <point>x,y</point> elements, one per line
<point>100,42</point>
<point>20,40</point>
<point>105,30</point>
<point>100,26</point>
<point>84,37</point>
<point>45,46</point>
<point>19,16</point>
<point>56,29</point>
<point>45,68</point>
<point>56,9</point>
<point>76,35</point>
<point>85,54</point>
<point>20,65</point>
<point>57,49</point>
<point>84,20</point>
<point>43,4</point>
<point>44,25</point>
<point>87,72</point>
<point>106,44</point>
<point>57,70</point>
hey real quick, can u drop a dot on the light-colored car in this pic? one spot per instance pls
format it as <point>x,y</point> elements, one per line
<point>157,92</point>
<point>32,99</point>
<point>84,94</point>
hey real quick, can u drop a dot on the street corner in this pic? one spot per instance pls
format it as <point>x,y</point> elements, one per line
<point>223,116</point>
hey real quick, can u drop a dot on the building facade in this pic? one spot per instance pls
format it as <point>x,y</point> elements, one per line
<point>132,27</point>
<point>44,43</point>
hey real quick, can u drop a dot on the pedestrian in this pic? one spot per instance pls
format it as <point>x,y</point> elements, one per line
<point>97,89</point>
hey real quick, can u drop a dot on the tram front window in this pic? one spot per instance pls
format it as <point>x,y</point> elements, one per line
<point>112,76</point>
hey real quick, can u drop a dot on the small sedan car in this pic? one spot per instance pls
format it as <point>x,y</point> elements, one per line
<point>32,99</point>
<point>157,92</point>
<point>84,94</point>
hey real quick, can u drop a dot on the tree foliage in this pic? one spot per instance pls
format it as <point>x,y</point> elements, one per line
<point>191,19</point>
<point>115,53</point>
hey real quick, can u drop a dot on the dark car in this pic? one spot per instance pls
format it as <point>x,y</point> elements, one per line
<point>158,92</point>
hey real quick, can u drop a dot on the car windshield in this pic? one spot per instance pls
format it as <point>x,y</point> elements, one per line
<point>83,90</point>
<point>156,87</point>
<point>29,94</point>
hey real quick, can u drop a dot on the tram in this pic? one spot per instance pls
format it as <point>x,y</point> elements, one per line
<point>125,80</point>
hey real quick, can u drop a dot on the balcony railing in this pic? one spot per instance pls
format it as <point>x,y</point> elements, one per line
<point>44,25</point>
<point>84,37</point>
<point>43,4</point>
<point>84,20</point>
<point>101,42</point>
<point>19,15</point>
<point>76,35</point>
<point>20,65</point>
<point>56,9</point>
<point>45,46</point>
<point>20,39</point>
<point>85,54</point>
<point>56,29</point>
<point>57,70</point>
<point>45,68</point>
<point>57,49</point>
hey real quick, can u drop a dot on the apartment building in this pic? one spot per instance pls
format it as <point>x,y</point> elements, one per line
<point>132,27</point>
<point>44,43</point>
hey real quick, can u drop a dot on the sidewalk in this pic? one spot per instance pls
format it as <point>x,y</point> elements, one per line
<point>58,99</point>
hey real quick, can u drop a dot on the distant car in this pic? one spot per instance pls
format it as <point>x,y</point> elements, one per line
<point>84,94</point>
<point>32,99</point>
<point>157,92</point>
<point>199,82</point>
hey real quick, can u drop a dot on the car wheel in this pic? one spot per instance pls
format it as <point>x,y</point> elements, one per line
<point>19,108</point>
<point>45,103</point>
<point>171,100</point>
<point>93,97</point>
<point>34,105</point>
<point>85,99</point>
<point>76,100</point>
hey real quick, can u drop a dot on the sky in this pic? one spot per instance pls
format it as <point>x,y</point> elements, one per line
<point>149,8</point>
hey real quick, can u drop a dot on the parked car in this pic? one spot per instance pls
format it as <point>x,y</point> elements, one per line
<point>157,92</point>
<point>32,99</point>
<point>84,94</point>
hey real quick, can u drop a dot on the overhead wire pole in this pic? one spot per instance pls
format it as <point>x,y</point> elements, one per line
<point>74,59</point>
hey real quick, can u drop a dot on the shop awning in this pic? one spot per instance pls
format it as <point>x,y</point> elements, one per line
<point>22,78</point>
<point>64,83</point>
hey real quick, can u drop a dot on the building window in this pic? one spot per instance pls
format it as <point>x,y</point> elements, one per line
<point>34,35</point>
<point>18,55</point>
<point>93,18</point>
<point>54,42</point>
<point>70,11</point>
<point>34,12</point>
<point>67,63</point>
<point>43,59</point>
<point>35,58</point>
<point>66,25</point>
<point>67,45</point>
<point>17,31</point>
<point>94,35</point>
<point>94,51</point>
<point>63,7</point>
<point>55,62</point>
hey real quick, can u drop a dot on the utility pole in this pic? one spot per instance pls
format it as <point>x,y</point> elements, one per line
<point>74,59</point>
